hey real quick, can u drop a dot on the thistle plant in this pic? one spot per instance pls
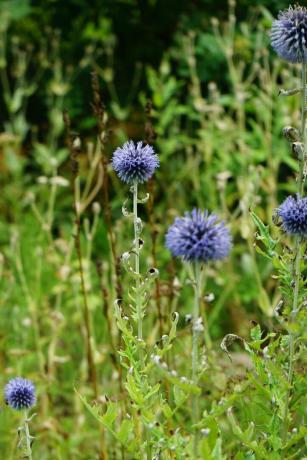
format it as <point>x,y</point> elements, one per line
<point>289,39</point>
<point>293,214</point>
<point>141,424</point>
<point>135,164</point>
<point>289,34</point>
<point>198,238</point>
<point>20,395</point>
<point>274,386</point>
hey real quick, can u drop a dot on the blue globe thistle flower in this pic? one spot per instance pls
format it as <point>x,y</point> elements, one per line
<point>198,236</point>
<point>19,393</point>
<point>293,213</point>
<point>134,162</point>
<point>289,34</point>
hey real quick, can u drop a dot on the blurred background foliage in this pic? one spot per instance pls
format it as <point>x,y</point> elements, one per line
<point>122,37</point>
<point>215,119</point>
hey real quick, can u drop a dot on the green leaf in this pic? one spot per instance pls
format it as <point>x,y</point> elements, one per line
<point>133,390</point>
<point>125,429</point>
<point>264,302</point>
<point>217,451</point>
<point>110,416</point>
<point>256,332</point>
<point>179,396</point>
<point>248,434</point>
<point>92,409</point>
<point>153,391</point>
<point>167,411</point>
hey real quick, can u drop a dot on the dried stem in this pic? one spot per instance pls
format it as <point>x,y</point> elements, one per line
<point>100,114</point>
<point>90,359</point>
<point>105,297</point>
<point>74,151</point>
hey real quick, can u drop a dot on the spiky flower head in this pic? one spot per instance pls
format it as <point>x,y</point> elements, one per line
<point>293,214</point>
<point>289,34</point>
<point>134,162</point>
<point>19,393</point>
<point>198,236</point>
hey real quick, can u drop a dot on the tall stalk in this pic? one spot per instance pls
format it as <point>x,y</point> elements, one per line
<point>195,353</point>
<point>74,149</point>
<point>27,436</point>
<point>136,225</point>
<point>86,311</point>
<point>298,250</point>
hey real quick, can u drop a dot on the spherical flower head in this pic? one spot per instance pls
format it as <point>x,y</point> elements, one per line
<point>289,34</point>
<point>293,214</point>
<point>134,162</point>
<point>198,236</point>
<point>19,393</point>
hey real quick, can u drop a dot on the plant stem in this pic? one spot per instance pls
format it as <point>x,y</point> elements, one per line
<point>301,178</point>
<point>195,356</point>
<point>137,261</point>
<point>154,251</point>
<point>86,312</point>
<point>27,437</point>
<point>195,319</point>
<point>298,256</point>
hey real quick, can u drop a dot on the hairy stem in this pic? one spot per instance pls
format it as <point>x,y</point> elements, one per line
<point>27,437</point>
<point>137,261</point>
<point>195,354</point>
<point>301,179</point>
<point>298,255</point>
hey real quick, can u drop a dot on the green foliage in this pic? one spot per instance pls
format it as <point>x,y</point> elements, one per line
<point>262,402</point>
<point>218,119</point>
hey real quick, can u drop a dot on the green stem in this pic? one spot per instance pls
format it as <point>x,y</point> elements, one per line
<point>301,178</point>
<point>27,437</point>
<point>195,319</point>
<point>298,256</point>
<point>207,337</point>
<point>195,354</point>
<point>137,261</point>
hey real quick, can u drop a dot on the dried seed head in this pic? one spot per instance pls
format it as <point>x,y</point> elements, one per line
<point>291,134</point>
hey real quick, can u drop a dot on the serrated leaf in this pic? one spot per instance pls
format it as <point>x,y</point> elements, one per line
<point>134,392</point>
<point>153,391</point>
<point>111,414</point>
<point>179,396</point>
<point>249,432</point>
<point>256,332</point>
<point>217,451</point>
<point>125,429</point>
<point>167,411</point>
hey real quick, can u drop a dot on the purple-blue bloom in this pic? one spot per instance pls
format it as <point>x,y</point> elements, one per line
<point>198,236</point>
<point>289,34</point>
<point>135,162</point>
<point>293,214</point>
<point>19,393</point>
